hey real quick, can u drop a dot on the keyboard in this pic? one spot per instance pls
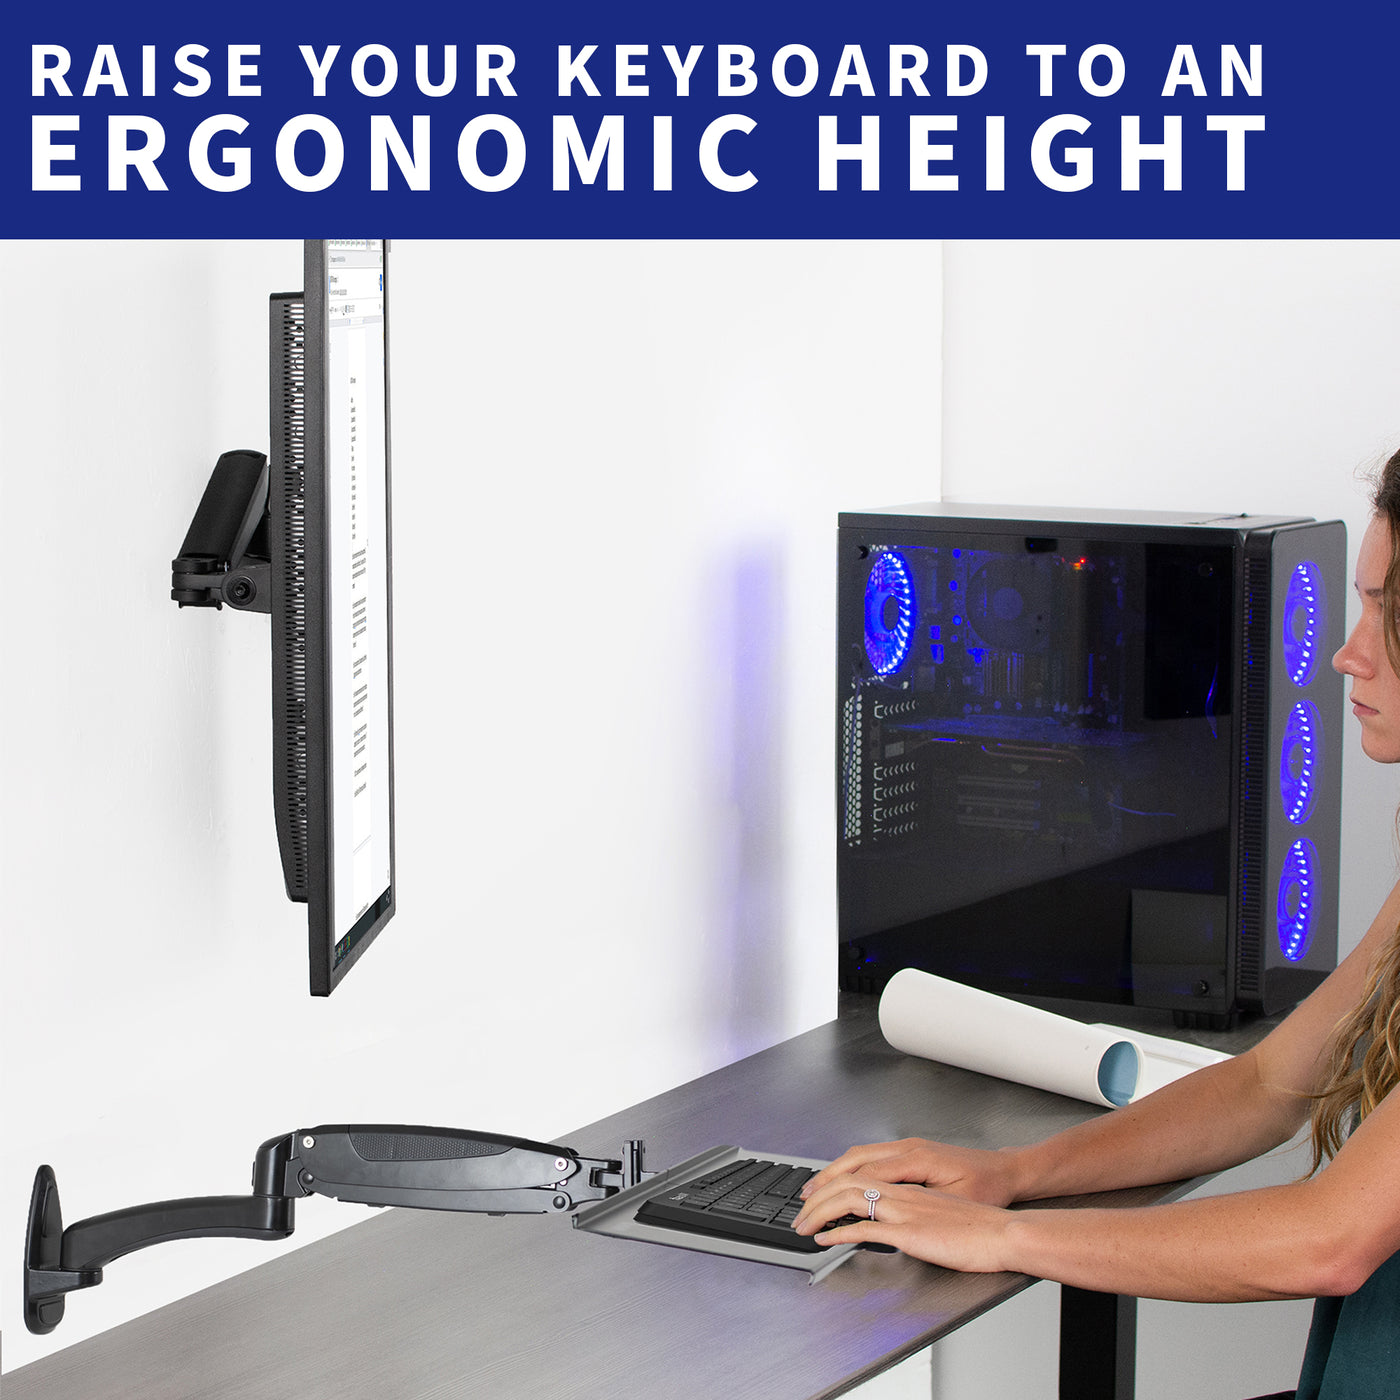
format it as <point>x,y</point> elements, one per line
<point>747,1200</point>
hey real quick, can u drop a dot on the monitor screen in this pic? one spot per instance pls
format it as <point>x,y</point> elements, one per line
<point>357,593</point>
<point>332,627</point>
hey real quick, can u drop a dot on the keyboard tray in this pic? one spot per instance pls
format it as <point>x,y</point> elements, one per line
<point>615,1216</point>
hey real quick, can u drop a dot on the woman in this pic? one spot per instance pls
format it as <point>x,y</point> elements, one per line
<point>1333,1235</point>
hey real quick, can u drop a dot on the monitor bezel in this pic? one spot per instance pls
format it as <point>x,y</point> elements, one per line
<point>326,972</point>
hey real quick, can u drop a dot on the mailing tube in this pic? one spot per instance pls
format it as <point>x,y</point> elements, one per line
<point>941,1020</point>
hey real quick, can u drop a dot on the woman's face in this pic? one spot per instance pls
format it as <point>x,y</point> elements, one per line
<point>1375,688</point>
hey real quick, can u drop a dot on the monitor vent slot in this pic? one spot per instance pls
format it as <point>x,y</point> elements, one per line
<point>288,525</point>
<point>1254,740</point>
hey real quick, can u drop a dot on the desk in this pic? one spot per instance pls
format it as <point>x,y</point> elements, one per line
<point>426,1305</point>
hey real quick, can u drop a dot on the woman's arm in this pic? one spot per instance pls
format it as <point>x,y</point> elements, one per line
<point>1324,1235</point>
<point>1215,1118</point>
<point>1321,1236</point>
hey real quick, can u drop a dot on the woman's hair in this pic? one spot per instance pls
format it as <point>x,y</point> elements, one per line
<point>1363,1056</point>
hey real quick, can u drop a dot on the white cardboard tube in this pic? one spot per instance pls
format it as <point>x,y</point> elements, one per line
<point>957,1025</point>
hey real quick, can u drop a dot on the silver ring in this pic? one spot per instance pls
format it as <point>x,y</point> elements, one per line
<point>872,1195</point>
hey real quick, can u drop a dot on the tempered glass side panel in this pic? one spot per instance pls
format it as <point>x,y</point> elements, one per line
<point>1031,729</point>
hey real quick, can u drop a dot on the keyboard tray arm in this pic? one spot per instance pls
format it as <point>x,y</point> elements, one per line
<point>376,1165</point>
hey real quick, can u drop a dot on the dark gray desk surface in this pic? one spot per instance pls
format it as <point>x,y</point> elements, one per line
<point>426,1305</point>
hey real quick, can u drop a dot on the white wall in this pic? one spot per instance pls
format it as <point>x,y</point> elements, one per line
<point>1182,376</point>
<point>617,469</point>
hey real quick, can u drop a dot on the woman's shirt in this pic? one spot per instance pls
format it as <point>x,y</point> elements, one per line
<point>1354,1345</point>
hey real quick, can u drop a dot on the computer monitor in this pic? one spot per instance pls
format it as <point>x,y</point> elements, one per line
<point>332,625</point>
<point>307,537</point>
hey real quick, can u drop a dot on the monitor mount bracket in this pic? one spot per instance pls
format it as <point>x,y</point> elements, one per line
<point>225,556</point>
<point>425,1168</point>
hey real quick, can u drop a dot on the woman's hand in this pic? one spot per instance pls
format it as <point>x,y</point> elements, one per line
<point>973,1174</point>
<point>929,1225</point>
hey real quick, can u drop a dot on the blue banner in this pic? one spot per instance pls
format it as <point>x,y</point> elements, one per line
<point>1077,120</point>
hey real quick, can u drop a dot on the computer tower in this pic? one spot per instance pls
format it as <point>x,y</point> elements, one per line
<point>1090,755</point>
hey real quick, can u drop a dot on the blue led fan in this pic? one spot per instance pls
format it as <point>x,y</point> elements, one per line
<point>1298,766</point>
<point>1295,899</point>
<point>889,612</point>
<point>1303,619</point>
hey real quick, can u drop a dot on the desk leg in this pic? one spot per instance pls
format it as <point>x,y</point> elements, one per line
<point>1098,1345</point>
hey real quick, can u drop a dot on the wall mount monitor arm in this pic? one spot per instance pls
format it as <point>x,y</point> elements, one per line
<point>225,556</point>
<point>423,1168</point>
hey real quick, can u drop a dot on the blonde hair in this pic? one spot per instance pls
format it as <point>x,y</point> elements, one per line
<point>1363,1054</point>
<point>1363,1057</point>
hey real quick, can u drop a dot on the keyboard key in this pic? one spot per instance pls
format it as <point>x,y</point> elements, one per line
<point>753,1200</point>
